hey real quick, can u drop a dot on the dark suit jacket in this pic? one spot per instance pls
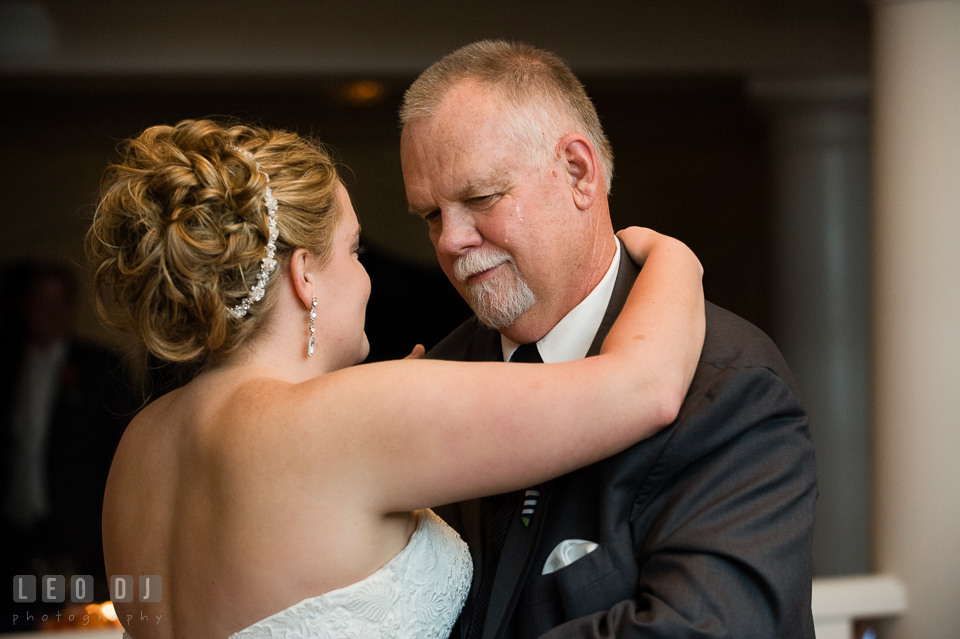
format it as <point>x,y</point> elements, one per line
<point>704,529</point>
<point>93,405</point>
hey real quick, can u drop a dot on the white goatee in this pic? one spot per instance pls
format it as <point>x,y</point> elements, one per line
<point>500,300</point>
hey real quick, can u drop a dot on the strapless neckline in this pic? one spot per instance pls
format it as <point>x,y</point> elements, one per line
<point>418,593</point>
<point>391,563</point>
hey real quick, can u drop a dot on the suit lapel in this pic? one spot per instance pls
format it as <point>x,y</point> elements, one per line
<point>470,527</point>
<point>521,543</point>
<point>626,275</point>
<point>485,347</point>
<point>515,564</point>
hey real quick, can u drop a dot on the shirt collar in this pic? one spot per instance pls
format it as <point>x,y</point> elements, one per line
<point>571,338</point>
<point>50,355</point>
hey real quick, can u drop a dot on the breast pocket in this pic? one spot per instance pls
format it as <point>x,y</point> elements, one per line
<point>590,584</point>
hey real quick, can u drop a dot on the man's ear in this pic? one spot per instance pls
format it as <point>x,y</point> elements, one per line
<point>302,276</point>
<point>583,169</point>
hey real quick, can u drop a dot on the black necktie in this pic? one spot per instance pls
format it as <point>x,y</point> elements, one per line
<point>495,514</point>
<point>527,354</point>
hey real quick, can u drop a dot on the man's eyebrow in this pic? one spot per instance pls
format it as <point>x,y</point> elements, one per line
<point>481,185</point>
<point>484,185</point>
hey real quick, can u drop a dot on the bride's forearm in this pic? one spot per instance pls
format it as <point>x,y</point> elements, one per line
<point>479,428</point>
<point>662,323</point>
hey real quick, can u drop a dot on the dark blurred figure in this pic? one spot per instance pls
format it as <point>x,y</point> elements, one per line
<point>63,407</point>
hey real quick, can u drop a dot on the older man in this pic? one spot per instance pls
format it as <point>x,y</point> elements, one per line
<point>702,530</point>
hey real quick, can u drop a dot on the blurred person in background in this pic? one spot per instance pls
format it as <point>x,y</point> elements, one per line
<point>63,406</point>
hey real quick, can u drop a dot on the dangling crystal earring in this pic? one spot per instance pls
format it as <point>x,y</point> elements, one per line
<point>313,327</point>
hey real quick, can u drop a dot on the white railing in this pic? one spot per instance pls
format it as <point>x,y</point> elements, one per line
<point>838,602</point>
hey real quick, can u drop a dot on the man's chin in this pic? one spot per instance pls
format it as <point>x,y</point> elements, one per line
<point>496,316</point>
<point>500,300</point>
<point>495,322</point>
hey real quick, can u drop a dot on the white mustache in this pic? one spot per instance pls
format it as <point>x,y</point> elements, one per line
<point>478,262</point>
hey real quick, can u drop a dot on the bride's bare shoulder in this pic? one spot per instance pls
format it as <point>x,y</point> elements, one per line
<point>195,419</point>
<point>263,424</point>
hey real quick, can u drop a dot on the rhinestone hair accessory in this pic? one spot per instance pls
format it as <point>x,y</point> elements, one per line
<point>269,262</point>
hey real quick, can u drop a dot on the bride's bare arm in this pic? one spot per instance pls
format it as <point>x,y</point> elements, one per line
<point>411,434</point>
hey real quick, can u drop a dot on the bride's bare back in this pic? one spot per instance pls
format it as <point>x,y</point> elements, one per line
<point>196,495</point>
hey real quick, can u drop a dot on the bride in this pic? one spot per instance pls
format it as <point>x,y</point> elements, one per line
<point>283,491</point>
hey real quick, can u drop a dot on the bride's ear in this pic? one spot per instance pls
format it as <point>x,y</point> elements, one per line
<point>302,277</point>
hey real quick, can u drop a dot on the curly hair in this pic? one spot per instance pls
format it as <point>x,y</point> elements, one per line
<point>181,228</point>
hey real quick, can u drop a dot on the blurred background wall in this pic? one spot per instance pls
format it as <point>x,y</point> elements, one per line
<point>742,127</point>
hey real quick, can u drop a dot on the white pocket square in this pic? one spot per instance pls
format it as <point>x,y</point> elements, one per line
<point>567,552</point>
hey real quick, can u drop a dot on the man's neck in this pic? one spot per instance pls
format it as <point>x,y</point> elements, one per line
<point>570,338</point>
<point>567,292</point>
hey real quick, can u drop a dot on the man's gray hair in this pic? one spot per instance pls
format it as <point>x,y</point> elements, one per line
<point>546,98</point>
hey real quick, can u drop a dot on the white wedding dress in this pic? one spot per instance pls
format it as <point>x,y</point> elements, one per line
<point>417,594</point>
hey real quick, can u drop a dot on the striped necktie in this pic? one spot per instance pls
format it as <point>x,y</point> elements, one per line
<point>495,515</point>
<point>528,353</point>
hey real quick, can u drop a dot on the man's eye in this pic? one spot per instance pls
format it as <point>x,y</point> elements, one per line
<point>432,216</point>
<point>482,199</point>
<point>360,249</point>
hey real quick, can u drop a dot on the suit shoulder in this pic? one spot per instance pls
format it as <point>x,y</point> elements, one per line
<point>471,341</point>
<point>743,399</point>
<point>734,343</point>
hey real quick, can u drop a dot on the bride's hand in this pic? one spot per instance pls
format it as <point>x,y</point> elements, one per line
<point>417,352</point>
<point>639,242</point>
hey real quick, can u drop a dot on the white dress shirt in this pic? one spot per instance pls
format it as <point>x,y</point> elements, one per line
<point>27,502</point>
<point>571,338</point>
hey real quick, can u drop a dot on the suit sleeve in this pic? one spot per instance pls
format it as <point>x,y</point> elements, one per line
<point>721,527</point>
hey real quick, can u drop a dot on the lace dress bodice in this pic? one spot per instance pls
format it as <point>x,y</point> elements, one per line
<point>417,594</point>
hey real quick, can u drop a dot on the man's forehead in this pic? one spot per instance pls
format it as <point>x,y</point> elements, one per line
<point>462,180</point>
<point>456,154</point>
<point>496,177</point>
<point>465,111</point>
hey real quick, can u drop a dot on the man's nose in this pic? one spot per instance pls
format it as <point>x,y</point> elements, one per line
<point>458,233</point>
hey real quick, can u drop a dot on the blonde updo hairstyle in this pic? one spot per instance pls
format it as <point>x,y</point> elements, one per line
<point>181,229</point>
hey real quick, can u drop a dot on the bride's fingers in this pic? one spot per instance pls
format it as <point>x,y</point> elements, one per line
<point>640,242</point>
<point>417,352</point>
